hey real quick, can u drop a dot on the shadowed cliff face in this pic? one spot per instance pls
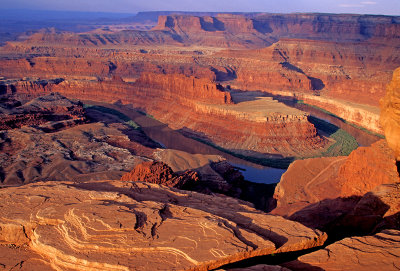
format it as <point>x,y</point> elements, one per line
<point>390,116</point>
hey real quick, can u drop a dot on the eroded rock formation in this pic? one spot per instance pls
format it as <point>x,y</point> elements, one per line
<point>390,116</point>
<point>160,173</point>
<point>53,138</point>
<point>355,253</point>
<point>124,226</point>
<point>201,109</point>
<point>51,108</point>
<point>319,191</point>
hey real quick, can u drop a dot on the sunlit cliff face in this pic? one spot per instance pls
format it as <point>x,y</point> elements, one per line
<point>390,114</point>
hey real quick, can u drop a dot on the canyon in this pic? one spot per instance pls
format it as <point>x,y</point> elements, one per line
<point>123,143</point>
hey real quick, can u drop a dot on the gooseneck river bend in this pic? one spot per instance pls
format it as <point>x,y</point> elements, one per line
<point>172,139</point>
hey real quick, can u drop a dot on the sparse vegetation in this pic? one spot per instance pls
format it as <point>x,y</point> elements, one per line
<point>344,142</point>
<point>125,119</point>
<point>145,114</point>
<point>343,146</point>
<point>345,121</point>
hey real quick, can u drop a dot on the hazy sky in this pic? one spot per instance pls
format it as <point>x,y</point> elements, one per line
<point>388,7</point>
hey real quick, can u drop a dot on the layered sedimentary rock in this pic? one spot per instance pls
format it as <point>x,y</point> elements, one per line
<point>177,87</point>
<point>30,154</point>
<point>353,63</point>
<point>377,252</point>
<point>360,114</point>
<point>356,72</point>
<point>123,226</point>
<point>49,108</point>
<point>259,29</point>
<point>240,31</point>
<point>53,138</point>
<point>160,173</point>
<point>149,85</point>
<point>390,116</point>
<point>344,57</point>
<point>320,190</point>
<point>200,107</point>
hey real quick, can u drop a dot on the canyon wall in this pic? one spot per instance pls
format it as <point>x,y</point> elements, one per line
<point>326,58</point>
<point>361,115</point>
<point>237,31</point>
<point>196,107</point>
<point>176,86</point>
<point>261,29</point>
<point>356,72</point>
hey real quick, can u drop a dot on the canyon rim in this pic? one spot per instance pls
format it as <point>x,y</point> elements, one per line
<point>196,140</point>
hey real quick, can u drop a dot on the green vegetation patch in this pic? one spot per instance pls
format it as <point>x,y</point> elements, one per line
<point>344,142</point>
<point>145,114</point>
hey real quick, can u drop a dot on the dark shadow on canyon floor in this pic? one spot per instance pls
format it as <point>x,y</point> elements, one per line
<point>346,217</point>
<point>275,259</point>
<point>264,159</point>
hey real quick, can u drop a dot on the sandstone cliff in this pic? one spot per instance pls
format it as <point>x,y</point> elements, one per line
<point>390,116</point>
<point>262,29</point>
<point>176,86</point>
<point>201,109</point>
<point>319,191</point>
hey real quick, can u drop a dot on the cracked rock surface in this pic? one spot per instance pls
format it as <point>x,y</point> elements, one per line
<point>378,252</point>
<point>113,225</point>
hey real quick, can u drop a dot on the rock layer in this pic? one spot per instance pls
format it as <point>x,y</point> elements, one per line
<point>59,140</point>
<point>121,226</point>
<point>319,191</point>
<point>348,57</point>
<point>160,173</point>
<point>201,109</point>
<point>50,108</point>
<point>377,252</point>
<point>390,116</point>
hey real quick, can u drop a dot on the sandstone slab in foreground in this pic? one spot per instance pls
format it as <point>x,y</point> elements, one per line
<point>138,226</point>
<point>378,252</point>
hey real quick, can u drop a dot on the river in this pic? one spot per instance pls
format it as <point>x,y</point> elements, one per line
<point>172,139</point>
<point>363,138</point>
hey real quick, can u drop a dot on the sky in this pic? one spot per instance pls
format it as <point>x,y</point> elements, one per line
<point>386,7</point>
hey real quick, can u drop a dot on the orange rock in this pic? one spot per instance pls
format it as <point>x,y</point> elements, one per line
<point>280,134</point>
<point>377,210</point>
<point>367,168</point>
<point>390,114</point>
<point>369,253</point>
<point>49,108</point>
<point>160,173</point>
<point>177,86</point>
<point>117,225</point>
<point>319,191</point>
